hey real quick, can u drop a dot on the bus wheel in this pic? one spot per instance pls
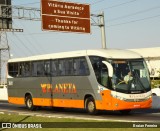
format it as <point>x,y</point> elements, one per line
<point>90,106</point>
<point>29,103</point>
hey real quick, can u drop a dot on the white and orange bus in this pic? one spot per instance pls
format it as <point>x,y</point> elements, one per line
<point>89,79</point>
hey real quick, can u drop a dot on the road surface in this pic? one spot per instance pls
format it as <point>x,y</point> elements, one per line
<point>142,115</point>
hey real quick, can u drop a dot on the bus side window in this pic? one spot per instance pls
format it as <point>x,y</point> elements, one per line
<point>13,69</point>
<point>47,68</point>
<point>69,67</point>
<point>76,66</point>
<point>83,67</point>
<point>34,68</point>
<point>25,69</point>
<point>40,68</point>
<point>80,67</point>
<point>61,68</point>
<point>54,68</point>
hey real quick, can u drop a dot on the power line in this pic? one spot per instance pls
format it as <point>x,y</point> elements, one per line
<point>134,21</point>
<point>139,12</point>
<point>32,43</point>
<point>108,25</point>
<point>30,3</point>
<point>124,3</point>
<point>39,2</point>
<point>24,45</point>
<point>98,28</point>
<point>15,44</point>
<point>35,47</point>
<point>49,33</point>
<point>97,2</point>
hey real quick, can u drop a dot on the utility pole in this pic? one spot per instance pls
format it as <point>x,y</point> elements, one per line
<point>103,33</point>
<point>4,49</point>
<point>101,24</point>
<point>5,26</point>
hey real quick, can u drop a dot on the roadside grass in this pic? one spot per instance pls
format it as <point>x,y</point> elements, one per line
<point>39,119</point>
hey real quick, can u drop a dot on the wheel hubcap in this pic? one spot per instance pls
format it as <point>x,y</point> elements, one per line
<point>91,106</point>
<point>29,103</point>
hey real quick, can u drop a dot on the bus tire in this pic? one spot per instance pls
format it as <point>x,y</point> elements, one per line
<point>91,106</point>
<point>29,103</point>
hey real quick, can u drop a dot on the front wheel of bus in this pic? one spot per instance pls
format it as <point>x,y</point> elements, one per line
<point>29,103</point>
<point>90,106</point>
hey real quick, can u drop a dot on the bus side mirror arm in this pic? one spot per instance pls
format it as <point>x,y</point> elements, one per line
<point>110,68</point>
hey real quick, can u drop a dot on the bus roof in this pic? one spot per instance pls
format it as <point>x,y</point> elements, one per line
<point>108,53</point>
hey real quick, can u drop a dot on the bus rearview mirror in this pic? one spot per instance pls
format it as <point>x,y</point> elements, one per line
<point>110,68</point>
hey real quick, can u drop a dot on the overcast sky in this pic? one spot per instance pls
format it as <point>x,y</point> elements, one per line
<point>128,24</point>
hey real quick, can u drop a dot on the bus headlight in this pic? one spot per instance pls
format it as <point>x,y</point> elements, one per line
<point>149,97</point>
<point>132,99</point>
<point>121,98</point>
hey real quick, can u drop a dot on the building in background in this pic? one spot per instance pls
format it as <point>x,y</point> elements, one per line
<point>152,57</point>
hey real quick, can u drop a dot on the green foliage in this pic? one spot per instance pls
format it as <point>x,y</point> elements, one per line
<point>155,83</point>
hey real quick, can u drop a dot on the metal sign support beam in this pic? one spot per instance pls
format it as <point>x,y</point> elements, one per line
<point>3,48</point>
<point>101,24</point>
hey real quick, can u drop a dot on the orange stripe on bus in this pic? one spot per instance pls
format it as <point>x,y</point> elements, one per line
<point>48,102</point>
<point>42,102</point>
<point>58,102</point>
<point>16,100</point>
<point>68,103</point>
<point>107,102</point>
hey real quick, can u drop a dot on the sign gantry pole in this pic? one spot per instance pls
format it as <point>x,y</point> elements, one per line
<point>101,23</point>
<point>103,33</point>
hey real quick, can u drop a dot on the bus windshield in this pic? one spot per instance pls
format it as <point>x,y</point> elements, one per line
<point>130,76</point>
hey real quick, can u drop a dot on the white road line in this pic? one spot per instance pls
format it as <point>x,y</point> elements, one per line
<point>63,116</point>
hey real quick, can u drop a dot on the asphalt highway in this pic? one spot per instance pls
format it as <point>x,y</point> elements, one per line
<point>142,115</point>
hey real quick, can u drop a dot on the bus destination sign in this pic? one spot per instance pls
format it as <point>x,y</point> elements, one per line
<point>65,16</point>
